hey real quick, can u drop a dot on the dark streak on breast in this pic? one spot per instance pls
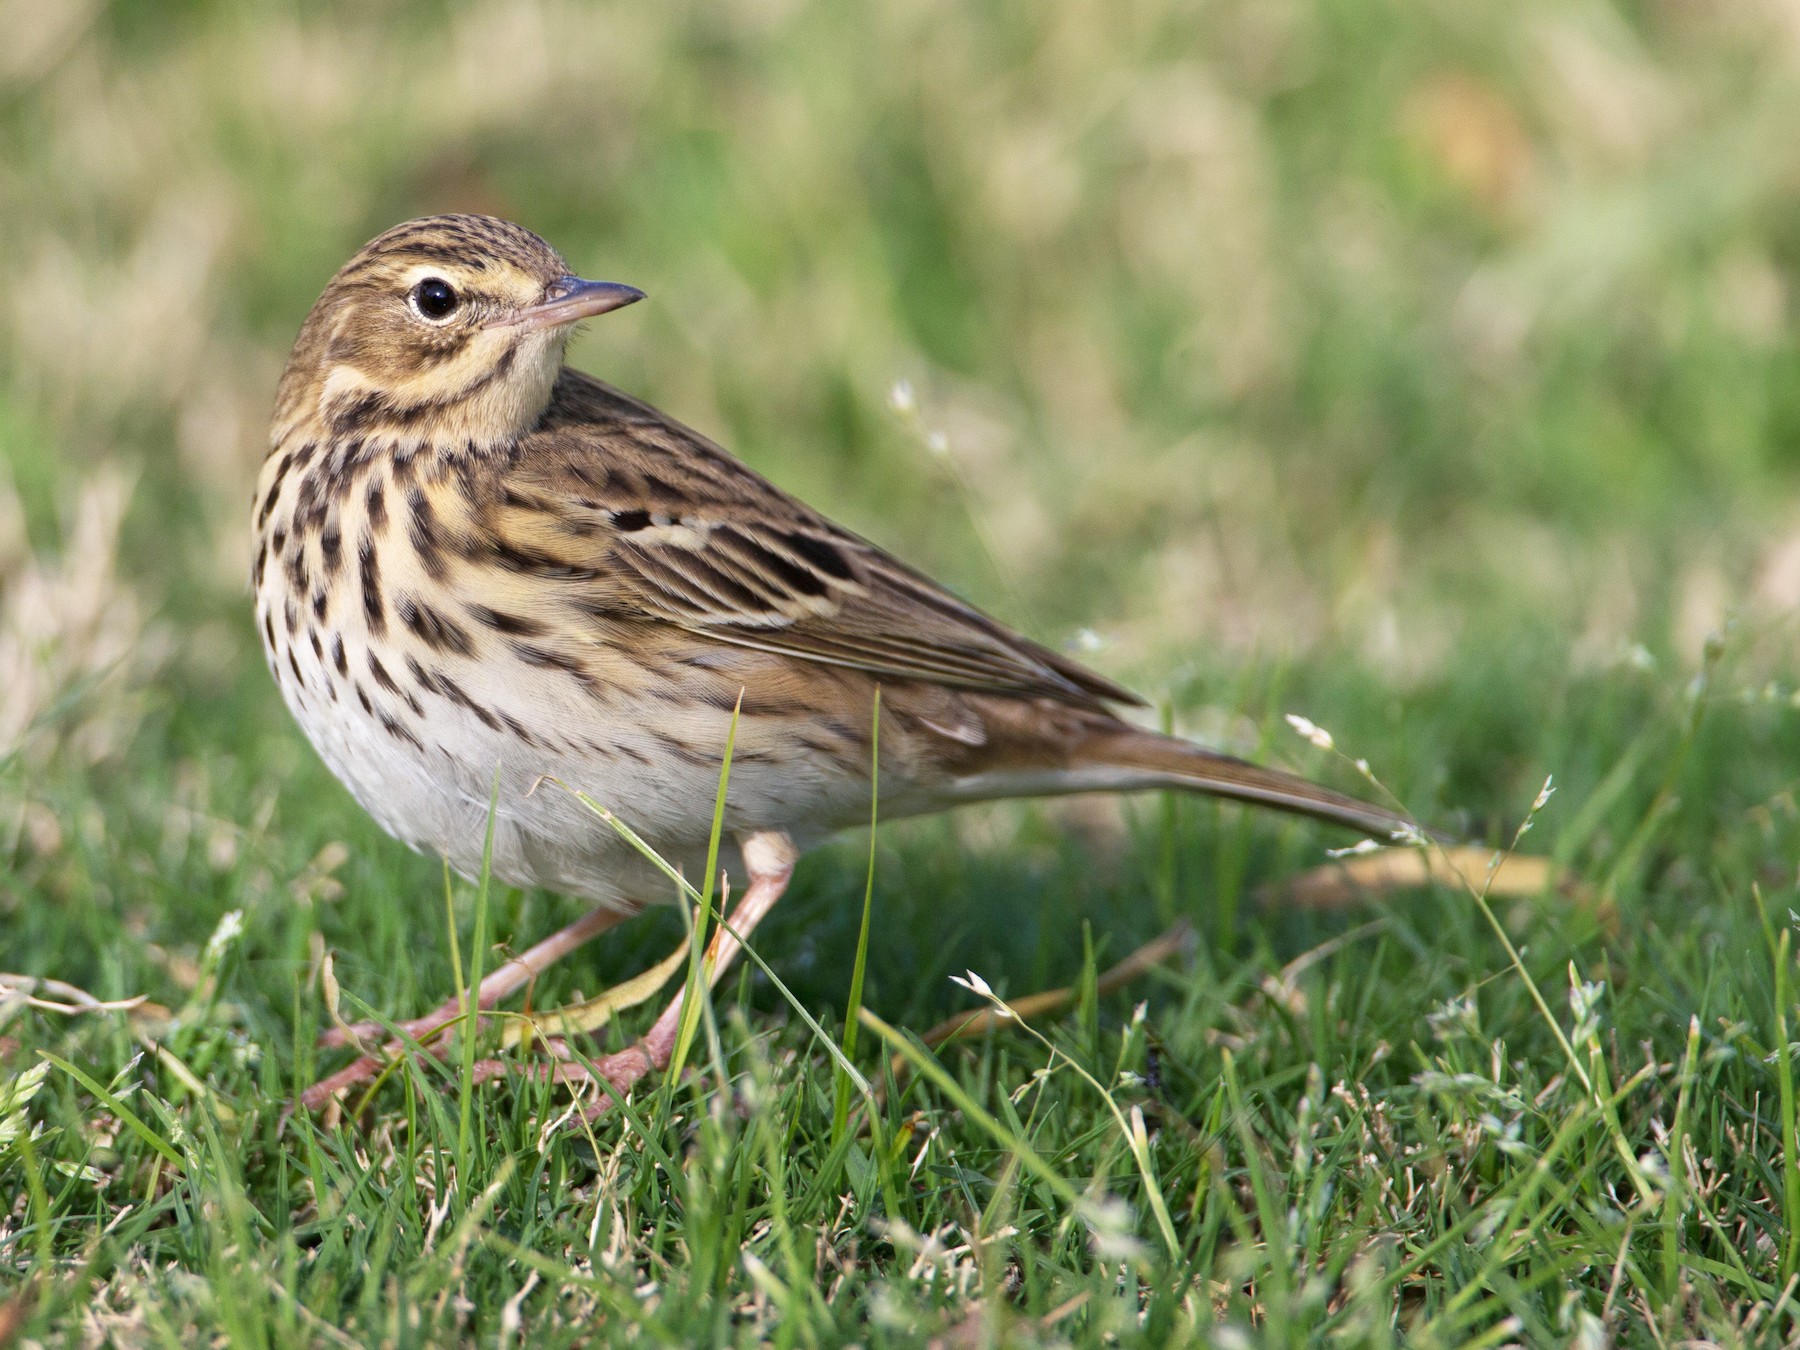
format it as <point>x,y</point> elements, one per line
<point>546,659</point>
<point>382,678</point>
<point>394,729</point>
<point>273,495</point>
<point>310,503</point>
<point>424,535</point>
<point>437,632</point>
<point>510,624</point>
<point>373,611</point>
<point>453,691</point>
<point>421,676</point>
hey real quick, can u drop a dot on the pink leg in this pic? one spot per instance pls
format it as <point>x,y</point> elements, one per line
<point>495,987</point>
<point>769,859</point>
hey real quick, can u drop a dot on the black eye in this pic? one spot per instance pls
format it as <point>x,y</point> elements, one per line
<point>434,297</point>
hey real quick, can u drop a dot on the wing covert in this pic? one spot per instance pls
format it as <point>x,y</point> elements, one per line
<point>652,520</point>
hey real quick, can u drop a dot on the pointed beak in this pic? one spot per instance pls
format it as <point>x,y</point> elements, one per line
<point>569,300</point>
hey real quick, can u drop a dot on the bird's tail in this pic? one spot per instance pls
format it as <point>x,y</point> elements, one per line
<point>1122,758</point>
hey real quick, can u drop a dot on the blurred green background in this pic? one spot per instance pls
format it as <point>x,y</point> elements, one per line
<point>1253,346</point>
<point>1427,368</point>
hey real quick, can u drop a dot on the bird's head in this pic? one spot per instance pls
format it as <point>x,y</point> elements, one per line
<point>450,328</point>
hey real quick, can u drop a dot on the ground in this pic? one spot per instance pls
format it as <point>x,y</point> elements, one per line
<point>1427,374</point>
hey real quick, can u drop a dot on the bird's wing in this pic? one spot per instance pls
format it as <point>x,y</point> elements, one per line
<point>644,518</point>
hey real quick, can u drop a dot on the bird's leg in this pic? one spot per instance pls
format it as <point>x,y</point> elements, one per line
<point>509,976</point>
<point>769,859</point>
<point>502,981</point>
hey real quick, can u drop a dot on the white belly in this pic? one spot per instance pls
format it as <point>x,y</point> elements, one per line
<point>436,795</point>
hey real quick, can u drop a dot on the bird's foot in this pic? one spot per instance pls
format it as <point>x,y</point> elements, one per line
<point>770,859</point>
<point>510,975</point>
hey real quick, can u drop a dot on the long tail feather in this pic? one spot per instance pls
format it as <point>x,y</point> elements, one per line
<point>1129,760</point>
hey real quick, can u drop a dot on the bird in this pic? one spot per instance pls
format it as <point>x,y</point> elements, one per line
<point>477,570</point>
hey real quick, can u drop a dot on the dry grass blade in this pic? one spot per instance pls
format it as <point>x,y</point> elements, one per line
<point>1346,881</point>
<point>1152,953</point>
<point>67,623</point>
<point>596,1012</point>
<point>63,997</point>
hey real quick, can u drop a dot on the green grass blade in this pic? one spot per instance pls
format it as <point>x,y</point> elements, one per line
<point>1784,1083</point>
<point>925,1064</point>
<point>840,1114</point>
<point>472,996</point>
<point>131,1119</point>
<point>860,1083</point>
<point>1675,1202</point>
<point>698,986</point>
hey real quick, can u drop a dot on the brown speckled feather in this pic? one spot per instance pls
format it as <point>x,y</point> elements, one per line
<point>669,527</point>
<point>470,558</point>
<point>476,570</point>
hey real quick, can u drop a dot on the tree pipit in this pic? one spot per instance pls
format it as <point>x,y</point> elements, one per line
<point>477,566</point>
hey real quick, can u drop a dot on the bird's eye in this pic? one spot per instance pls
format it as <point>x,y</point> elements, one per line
<point>434,298</point>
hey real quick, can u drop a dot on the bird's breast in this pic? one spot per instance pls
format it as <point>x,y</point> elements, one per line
<point>436,670</point>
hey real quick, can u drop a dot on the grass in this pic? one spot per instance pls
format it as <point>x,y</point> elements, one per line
<point>1427,373</point>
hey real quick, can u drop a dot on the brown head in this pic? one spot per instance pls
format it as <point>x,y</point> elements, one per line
<point>449,328</point>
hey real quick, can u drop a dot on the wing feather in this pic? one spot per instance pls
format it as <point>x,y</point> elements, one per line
<point>653,519</point>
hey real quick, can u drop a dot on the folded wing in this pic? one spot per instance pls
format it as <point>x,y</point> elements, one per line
<point>650,520</point>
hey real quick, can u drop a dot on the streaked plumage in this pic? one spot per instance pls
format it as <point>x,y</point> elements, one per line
<point>470,558</point>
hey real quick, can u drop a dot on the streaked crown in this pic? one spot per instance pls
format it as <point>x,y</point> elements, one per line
<point>448,328</point>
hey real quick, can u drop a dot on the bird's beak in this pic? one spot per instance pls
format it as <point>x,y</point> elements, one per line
<point>569,300</point>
